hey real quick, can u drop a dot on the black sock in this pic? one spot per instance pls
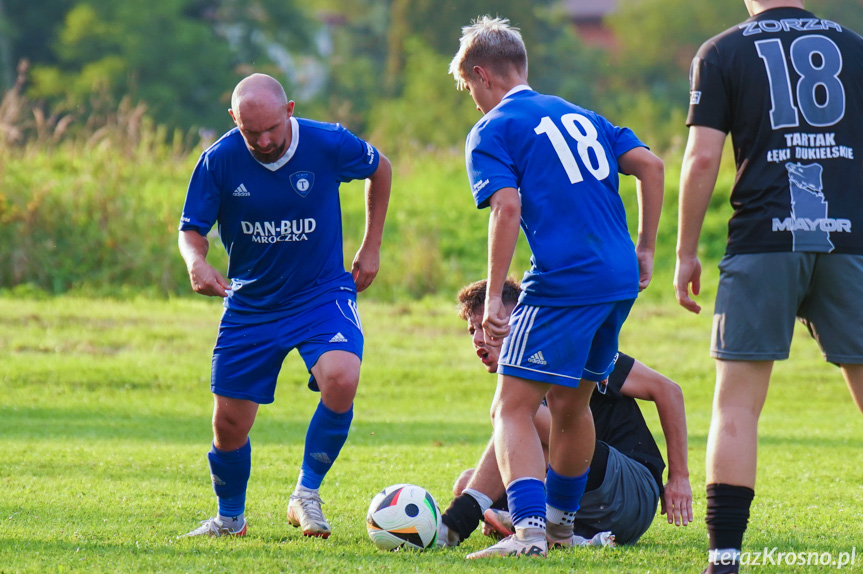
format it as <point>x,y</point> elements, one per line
<point>501,503</point>
<point>727,514</point>
<point>463,515</point>
<point>722,569</point>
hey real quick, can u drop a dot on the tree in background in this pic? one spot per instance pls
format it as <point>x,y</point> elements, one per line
<point>180,57</point>
<point>26,31</point>
<point>378,66</point>
<point>397,88</point>
<point>555,51</point>
<point>7,79</point>
<point>353,71</point>
<point>648,82</point>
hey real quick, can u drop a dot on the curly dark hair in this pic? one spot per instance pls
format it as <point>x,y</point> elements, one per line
<point>471,298</point>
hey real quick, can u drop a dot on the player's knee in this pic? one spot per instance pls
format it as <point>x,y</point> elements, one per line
<point>229,433</point>
<point>339,375</point>
<point>568,401</point>
<point>496,413</point>
<point>338,387</point>
<point>462,481</point>
<point>341,383</point>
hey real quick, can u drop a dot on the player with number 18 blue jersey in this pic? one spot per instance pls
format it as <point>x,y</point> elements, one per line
<point>550,168</point>
<point>571,212</point>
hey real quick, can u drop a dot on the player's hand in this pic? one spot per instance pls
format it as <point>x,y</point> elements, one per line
<point>645,268</point>
<point>206,280</point>
<point>365,267</point>
<point>687,272</point>
<point>676,501</point>
<point>495,321</point>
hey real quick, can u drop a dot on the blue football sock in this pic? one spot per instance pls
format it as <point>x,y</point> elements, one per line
<point>230,472</point>
<point>526,498</point>
<point>325,437</point>
<point>564,494</point>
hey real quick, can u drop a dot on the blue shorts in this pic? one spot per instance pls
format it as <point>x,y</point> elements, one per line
<point>562,345</point>
<point>248,357</point>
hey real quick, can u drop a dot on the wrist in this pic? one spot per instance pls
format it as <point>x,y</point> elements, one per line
<point>678,475</point>
<point>196,264</point>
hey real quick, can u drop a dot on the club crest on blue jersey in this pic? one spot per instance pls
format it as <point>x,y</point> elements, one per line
<point>302,182</point>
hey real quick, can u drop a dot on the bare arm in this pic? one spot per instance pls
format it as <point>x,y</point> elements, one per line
<point>503,226</point>
<point>367,261</point>
<point>646,384</point>
<point>697,180</point>
<point>649,172</point>
<point>203,276</point>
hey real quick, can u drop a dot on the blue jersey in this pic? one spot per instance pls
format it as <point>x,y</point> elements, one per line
<point>280,223</point>
<point>563,160</point>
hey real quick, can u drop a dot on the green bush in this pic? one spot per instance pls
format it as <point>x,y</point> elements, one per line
<point>100,217</point>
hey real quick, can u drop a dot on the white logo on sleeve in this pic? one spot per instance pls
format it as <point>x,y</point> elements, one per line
<point>477,187</point>
<point>241,191</point>
<point>537,359</point>
<point>338,338</point>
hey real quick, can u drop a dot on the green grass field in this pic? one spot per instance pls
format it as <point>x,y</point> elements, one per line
<point>104,426</point>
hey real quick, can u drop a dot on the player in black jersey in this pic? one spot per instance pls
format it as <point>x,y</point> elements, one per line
<point>624,484</point>
<point>788,87</point>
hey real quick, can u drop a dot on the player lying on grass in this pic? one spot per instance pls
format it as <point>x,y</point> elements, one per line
<point>624,484</point>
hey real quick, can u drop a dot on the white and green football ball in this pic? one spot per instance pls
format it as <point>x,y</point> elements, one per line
<point>403,516</point>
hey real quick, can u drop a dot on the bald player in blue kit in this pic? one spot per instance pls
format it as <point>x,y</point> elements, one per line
<point>272,185</point>
<point>550,167</point>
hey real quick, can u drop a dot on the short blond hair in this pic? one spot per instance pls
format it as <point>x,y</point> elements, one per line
<point>491,43</point>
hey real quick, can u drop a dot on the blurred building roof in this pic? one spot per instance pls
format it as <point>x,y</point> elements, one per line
<point>588,18</point>
<point>589,9</point>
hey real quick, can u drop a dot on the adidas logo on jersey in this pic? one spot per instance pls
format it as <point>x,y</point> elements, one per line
<point>537,359</point>
<point>338,338</point>
<point>241,191</point>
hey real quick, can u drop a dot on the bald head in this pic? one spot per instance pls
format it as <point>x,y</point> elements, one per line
<point>258,90</point>
<point>262,112</point>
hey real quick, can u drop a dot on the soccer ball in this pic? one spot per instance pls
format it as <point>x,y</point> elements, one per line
<point>403,516</point>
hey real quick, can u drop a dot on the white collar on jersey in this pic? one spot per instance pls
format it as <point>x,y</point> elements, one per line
<point>515,90</point>
<point>295,140</point>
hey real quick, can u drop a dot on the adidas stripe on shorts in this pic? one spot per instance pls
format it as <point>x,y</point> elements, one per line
<point>248,357</point>
<point>562,345</point>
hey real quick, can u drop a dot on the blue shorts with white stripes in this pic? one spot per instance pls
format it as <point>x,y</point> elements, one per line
<point>562,345</point>
<point>248,357</point>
